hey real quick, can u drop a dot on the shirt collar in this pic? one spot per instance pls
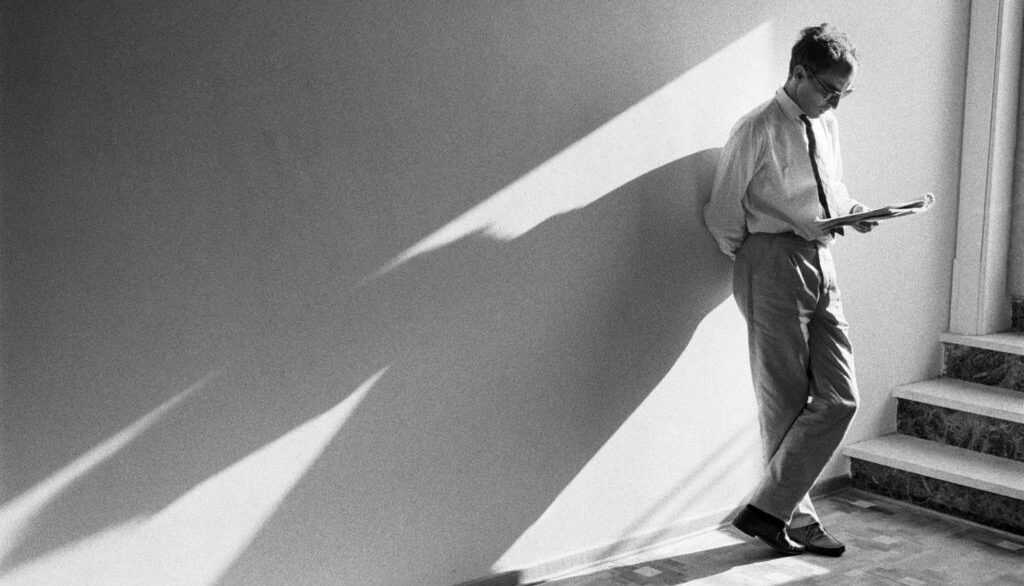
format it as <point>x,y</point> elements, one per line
<point>787,104</point>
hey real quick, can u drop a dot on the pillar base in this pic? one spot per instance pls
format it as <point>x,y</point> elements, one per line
<point>1017,314</point>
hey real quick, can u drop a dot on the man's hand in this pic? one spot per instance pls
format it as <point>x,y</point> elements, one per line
<point>866,225</point>
<point>814,231</point>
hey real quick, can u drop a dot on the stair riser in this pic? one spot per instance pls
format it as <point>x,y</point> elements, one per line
<point>983,366</point>
<point>970,431</point>
<point>969,503</point>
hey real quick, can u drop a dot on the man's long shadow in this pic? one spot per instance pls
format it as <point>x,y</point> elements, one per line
<point>461,443</point>
<point>618,288</point>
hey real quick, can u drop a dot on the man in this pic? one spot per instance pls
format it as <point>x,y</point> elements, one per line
<point>779,175</point>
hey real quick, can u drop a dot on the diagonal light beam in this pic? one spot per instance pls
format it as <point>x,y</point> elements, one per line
<point>194,540</point>
<point>18,514</point>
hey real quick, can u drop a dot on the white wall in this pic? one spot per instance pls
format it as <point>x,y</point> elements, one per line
<point>901,138</point>
<point>405,293</point>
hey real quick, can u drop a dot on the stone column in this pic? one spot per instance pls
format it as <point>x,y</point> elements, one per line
<point>1015,273</point>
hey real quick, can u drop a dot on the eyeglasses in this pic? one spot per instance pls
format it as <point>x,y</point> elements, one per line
<point>831,94</point>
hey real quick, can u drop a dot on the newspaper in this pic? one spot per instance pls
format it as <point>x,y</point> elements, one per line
<point>915,206</point>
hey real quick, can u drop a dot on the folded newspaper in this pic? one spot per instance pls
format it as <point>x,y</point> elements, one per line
<point>888,212</point>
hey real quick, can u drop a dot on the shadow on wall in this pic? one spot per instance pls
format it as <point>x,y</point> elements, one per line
<point>404,431</point>
<point>457,445</point>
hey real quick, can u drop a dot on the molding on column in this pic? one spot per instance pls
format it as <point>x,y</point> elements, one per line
<point>980,304</point>
<point>1015,285</point>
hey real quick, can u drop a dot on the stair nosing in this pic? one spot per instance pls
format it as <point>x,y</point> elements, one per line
<point>979,399</point>
<point>1006,342</point>
<point>927,458</point>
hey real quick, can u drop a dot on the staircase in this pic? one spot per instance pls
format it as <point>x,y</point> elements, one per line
<point>959,445</point>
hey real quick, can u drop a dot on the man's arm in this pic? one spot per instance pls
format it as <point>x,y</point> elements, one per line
<point>852,206</point>
<point>844,202</point>
<point>724,214</point>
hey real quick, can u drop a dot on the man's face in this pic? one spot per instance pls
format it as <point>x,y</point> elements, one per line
<point>818,92</point>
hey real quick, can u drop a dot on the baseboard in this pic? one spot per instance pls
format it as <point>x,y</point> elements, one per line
<point>502,579</point>
<point>582,561</point>
<point>590,559</point>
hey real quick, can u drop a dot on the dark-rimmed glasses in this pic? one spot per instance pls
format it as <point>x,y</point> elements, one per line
<point>832,95</point>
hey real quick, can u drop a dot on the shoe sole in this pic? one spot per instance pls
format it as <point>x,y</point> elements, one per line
<point>832,553</point>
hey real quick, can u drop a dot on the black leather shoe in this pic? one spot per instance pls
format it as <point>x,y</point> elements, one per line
<point>815,539</point>
<point>771,530</point>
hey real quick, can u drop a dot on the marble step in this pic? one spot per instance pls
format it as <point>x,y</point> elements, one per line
<point>950,393</point>
<point>976,486</point>
<point>1008,342</point>
<point>962,414</point>
<point>993,359</point>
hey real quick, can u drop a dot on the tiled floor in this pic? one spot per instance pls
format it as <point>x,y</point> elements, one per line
<point>887,543</point>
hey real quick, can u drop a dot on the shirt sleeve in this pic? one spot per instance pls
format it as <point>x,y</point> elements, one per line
<point>724,214</point>
<point>840,194</point>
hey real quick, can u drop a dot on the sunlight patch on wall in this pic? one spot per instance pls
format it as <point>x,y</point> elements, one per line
<point>17,515</point>
<point>194,540</point>
<point>692,113</point>
<point>690,449</point>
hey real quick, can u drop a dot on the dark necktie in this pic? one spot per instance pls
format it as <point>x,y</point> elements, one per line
<point>812,149</point>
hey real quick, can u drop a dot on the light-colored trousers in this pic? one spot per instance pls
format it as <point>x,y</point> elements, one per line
<point>801,361</point>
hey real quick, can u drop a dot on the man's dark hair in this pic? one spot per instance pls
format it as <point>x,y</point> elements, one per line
<point>821,47</point>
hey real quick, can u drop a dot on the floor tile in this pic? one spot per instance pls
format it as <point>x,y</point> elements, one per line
<point>888,543</point>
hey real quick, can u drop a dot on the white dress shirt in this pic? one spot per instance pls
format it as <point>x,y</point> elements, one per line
<point>764,181</point>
